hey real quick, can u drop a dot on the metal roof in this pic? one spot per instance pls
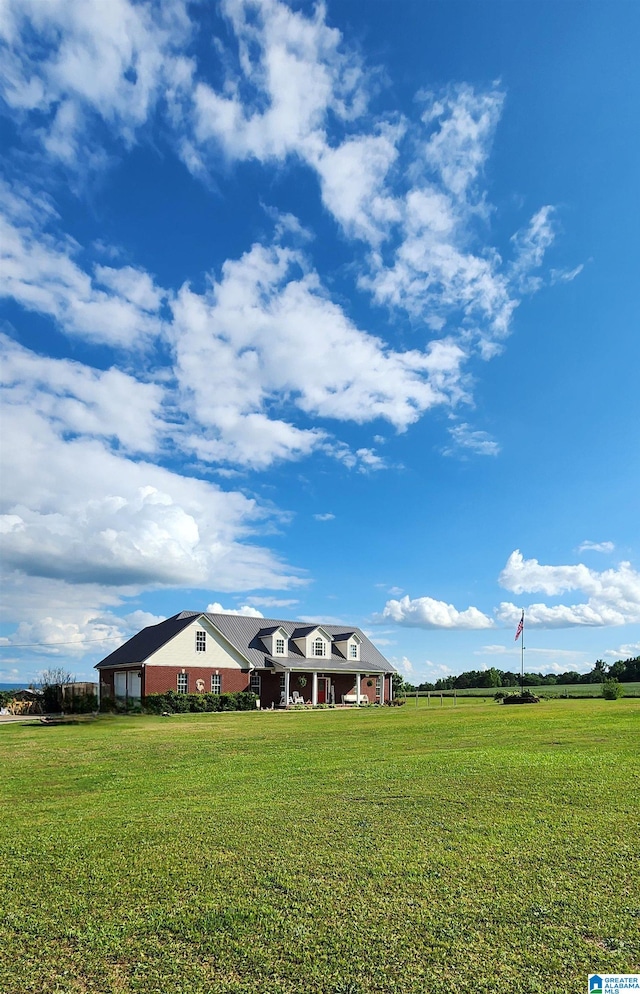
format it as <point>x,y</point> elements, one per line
<point>243,634</point>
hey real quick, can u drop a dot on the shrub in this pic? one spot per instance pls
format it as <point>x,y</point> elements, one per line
<point>499,694</point>
<point>81,703</point>
<point>197,703</point>
<point>52,699</point>
<point>612,690</point>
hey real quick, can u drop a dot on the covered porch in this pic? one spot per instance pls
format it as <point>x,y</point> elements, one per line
<point>332,685</point>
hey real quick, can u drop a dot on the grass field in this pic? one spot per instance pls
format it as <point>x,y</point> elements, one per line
<point>468,849</point>
<point>577,690</point>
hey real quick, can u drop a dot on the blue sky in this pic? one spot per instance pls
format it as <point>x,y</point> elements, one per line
<point>322,312</point>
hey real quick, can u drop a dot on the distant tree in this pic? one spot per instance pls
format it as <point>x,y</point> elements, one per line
<point>618,670</point>
<point>599,671</point>
<point>632,669</point>
<point>491,678</point>
<point>627,670</point>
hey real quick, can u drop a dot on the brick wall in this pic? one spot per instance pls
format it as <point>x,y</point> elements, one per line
<point>160,679</point>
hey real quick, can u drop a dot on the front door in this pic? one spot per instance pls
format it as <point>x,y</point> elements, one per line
<point>323,690</point>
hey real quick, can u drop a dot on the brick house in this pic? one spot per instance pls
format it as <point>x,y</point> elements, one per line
<point>282,662</point>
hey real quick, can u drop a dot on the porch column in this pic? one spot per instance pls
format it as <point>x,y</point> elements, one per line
<point>286,688</point>
<point>358,678</point>
<point>382,678</point>
<point>391,686</point>
<point>314,690</point>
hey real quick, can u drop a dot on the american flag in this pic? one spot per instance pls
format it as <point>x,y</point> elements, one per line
<point>519,628</point>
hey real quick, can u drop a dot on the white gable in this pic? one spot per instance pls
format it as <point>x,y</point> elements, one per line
<point>182,649</point>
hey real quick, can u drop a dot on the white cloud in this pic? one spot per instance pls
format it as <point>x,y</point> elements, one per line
<point>242,350</point>
<point>72,64</point>
<point>404,665</point>
<point>293,89</point>
<point>467,439</point>
<point>79,512</point>
<point>410,191</point>
<point>613,599</point>
<point>245,611</point>
<point>325,517</point>
<point>353,183</point>
<point>588,546</point>
<point>82,623</point>
<point>425,612</point>
<point>50,636</point>
<point>321,619</point>
<point>412,188</point>
<point>76,399</point>
<point>251,340</point>
<point>439,269</point>
<point>462,123</point>
<point>272,601</point>
<point>628,651</point>
<point>613,595</point>
<point>118,307</point>
<point>299,73</point>
<point>565,275</point>
<point>531,245</point>
<point>431,671</point>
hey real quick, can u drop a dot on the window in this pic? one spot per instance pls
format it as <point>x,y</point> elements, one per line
<point>282,683</point>
<point>318,648</point>
<point>254,684</point>
<point>216,683</point>
<point>183,683</point>
<point>201,641</point>
<point>353,650</point>
<point>379,688</point>
<point>279,647</point>
<point>120,684</point>
<point>128,685</point>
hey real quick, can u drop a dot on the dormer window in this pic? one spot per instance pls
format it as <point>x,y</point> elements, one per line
<point>348,645</point>
<point>318,647</point>
<point>274,640</point>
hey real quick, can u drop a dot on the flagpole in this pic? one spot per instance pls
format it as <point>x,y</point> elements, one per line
<point>522,657</point>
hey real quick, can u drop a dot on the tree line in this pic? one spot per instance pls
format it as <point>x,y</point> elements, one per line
<point>624,670</point>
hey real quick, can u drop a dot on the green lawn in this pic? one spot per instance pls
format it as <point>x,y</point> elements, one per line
<point>466,849</point>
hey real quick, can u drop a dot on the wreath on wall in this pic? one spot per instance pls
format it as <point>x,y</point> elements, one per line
<point>302,680</point>
<point>369,683</point>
